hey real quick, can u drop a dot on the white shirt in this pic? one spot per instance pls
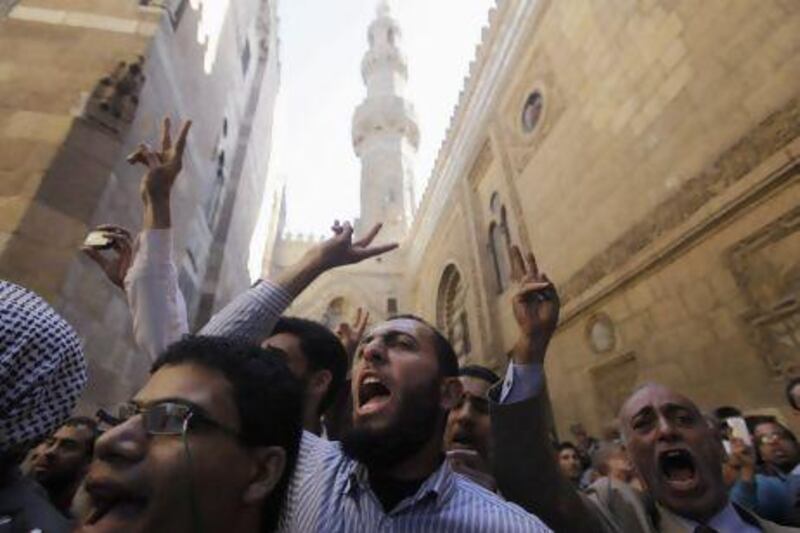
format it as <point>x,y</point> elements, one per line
<point>155,300</point>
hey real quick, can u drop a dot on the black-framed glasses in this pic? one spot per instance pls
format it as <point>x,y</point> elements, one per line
<point>164,418</point>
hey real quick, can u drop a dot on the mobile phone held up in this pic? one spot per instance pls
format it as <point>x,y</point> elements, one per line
<point>99,240</point>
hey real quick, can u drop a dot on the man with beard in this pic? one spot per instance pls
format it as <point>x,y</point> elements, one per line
<point>467,437</point>
<point>389,470</point>
<point>404,382</point>
<point>569,461</point>
<point>63,459</point>
<point>208,444</point>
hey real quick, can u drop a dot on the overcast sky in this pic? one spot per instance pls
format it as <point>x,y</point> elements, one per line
<point>322,44</point>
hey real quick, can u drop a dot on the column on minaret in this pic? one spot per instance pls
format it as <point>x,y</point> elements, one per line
<point>385,131</point>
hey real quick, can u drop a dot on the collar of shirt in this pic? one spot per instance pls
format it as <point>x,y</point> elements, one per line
<point>438,486</point>
<point>726,520</point>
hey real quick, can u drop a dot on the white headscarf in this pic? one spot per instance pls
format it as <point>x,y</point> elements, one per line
<point>42,368</point>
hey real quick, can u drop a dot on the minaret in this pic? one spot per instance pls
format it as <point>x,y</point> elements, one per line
<point>385,131</point>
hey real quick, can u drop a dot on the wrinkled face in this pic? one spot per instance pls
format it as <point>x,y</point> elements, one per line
<point>62,459</point>
<point>676,452</point>
<point>468,423</point>
<point>775,446</point>
<point>393,361</point>
<point>140,482</point>
<point>570,464</point>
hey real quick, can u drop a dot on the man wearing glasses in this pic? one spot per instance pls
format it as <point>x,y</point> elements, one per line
<point>208,444</point>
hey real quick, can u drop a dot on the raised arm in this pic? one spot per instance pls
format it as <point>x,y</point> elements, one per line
<point>146,271</point>
<point>524,460</point>
<point>252,314</point>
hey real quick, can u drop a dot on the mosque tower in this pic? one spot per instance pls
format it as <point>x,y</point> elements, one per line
<point>385,132</point>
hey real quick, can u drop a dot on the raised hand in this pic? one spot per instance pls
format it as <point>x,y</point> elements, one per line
<point>116,266</point>
<point>163,165</point>
<point>742,459</point>
<point>337,251</point>
<point>340,249</point>
<point>536,306</point>
<point>350,335</point>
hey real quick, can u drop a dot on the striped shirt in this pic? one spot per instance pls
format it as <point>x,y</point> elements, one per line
<point>330,492</point>
<point>252,315</point>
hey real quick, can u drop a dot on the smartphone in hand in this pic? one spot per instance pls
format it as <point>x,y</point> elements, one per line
<point>99,240</point>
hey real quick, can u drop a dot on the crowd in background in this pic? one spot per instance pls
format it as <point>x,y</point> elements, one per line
<point>262,422</point>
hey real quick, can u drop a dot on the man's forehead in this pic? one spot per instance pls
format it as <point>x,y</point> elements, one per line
<point>654,396</point>
<point>73,432</point>
<point>409,326</point>
<point>192,383</point>
<point>766,427</point>
<point>475,386</point>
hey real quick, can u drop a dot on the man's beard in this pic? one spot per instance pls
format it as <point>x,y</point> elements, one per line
<point>55,482</point>
<point>416,421</point>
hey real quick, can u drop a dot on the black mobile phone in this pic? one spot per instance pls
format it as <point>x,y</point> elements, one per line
<point>99,240</point>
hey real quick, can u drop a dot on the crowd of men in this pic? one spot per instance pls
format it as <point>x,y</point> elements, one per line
<point>263,422</point>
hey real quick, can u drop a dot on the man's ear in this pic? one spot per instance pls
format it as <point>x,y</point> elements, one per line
<point>320,382</point>
<point>451,392</point>
<point>269,462</point>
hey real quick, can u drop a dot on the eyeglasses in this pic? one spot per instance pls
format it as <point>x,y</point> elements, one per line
<point>770,438</point>
<point>164,418</point>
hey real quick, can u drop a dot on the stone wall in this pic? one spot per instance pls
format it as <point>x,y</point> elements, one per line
<point>658,189</point>
<point>62,162</point>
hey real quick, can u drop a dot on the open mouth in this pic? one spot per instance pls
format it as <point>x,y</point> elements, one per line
<point>678,469</point>
<point>373,395</point>
<point>463,440</point>
<point>112,508</point>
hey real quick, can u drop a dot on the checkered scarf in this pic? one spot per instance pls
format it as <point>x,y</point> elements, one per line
<point>42,368</point>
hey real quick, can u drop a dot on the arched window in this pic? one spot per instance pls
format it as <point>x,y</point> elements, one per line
<point>499,243</point>
<point>451,311</point>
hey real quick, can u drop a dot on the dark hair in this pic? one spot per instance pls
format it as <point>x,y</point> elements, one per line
<point>88,423</point>
<point>789,386</point>
<point>479,372</point>
<point>322,349</point>
<point>448,360</point>
<point>566,445</point>
<point>268,399</point>
<point>771,420</point>
<point>726,411</point>
<point>756,420</point>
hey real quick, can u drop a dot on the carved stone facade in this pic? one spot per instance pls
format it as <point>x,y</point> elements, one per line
<point>81,84</point>
<point>655,177</point>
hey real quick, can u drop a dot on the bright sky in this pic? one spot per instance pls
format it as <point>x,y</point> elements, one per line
<point>322,44</point>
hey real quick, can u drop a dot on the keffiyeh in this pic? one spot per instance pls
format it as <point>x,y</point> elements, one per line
<point>42,368</point>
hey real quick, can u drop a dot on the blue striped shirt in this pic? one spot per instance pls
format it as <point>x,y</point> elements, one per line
<point>330,492</point>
